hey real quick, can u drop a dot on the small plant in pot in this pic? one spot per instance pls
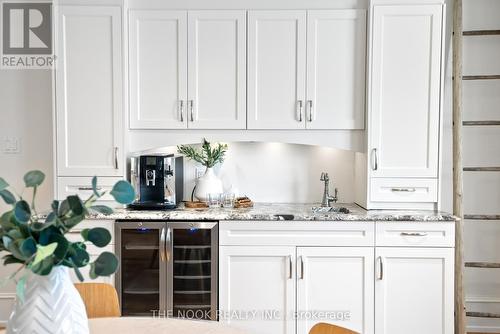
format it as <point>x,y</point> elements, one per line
<point>208,156</point>
<point>46,296</point>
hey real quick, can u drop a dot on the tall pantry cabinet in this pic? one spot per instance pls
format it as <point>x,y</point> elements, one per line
<point>404,106</point>
<point>89,98</point>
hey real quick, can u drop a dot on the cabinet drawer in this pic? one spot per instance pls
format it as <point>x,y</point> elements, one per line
<point>408,234</point>
<point>297,233</point>
<point>82,186</point>
<point>403,190</point>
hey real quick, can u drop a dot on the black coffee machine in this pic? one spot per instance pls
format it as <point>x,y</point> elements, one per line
<point>158,181</point>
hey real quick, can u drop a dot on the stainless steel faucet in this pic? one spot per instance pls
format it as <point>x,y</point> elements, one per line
<point>327,199</point>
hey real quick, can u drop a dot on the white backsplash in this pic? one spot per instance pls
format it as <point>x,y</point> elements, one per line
<point>282,173</point>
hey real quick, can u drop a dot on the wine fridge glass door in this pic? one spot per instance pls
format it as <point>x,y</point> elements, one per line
<point>192,257</point>
<point>141,281</point>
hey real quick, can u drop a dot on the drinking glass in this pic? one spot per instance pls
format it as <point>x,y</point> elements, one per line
<point>228,200</point>
<point>214,200</point>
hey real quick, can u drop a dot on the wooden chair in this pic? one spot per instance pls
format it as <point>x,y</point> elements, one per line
<point>100,299</point>
<point>322,328</point>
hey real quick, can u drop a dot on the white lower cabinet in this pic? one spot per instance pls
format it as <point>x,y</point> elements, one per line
<point>335,285</point>
<point>398,279</point>
<point>414,290</point>
<point>257,288</point>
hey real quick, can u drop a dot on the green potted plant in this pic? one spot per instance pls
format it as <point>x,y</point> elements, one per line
<point>46,297</point>
<point>208,156</point>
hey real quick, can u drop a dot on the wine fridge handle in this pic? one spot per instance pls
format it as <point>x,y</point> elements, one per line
<point>162,245</point>
<point>168,243</point>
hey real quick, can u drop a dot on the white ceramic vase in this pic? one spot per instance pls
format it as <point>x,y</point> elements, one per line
<point>209,183</point>
<point>51,305</point>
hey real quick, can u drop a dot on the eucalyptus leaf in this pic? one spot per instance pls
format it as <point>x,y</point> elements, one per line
<point>94,187</point>
<point>34,178</point>
<point>20,288</point>
<point>75,204</point>
<point>105,210</point>
<point>105,264</point>
<point>44,252</point>
<point>78,274</point>
<point>7,196</point>
<point>44,267</point>
<point>28,247</point>
<point>78,254</point>
<point>99,236</point>
<point>22,212</point>
<point>63,208</point>
<point>62,246</point>
<point>3,184</point>
<point>54,205</point>
<point>123,192</point>
<point>73,221</point>
<point>9,259</point>
<point>6,241</point>
<point>50,217</point>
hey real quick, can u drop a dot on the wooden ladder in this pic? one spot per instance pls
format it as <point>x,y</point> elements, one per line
<point>458,169</point>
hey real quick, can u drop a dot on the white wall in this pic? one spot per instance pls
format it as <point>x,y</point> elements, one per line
<point>276,172</point>
<point>25,113</point>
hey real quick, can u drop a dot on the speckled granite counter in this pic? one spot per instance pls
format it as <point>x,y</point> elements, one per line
<point>268,211</point>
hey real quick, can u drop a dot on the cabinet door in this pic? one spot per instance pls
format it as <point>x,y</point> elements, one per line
<point>336,56</point>
<point>258,279</point>
<point>414,290</point>
<point>89,92</point>
<point>158,69</point>
<point>217,69</point>
<point>405,92</point>
<point>276,69</point>
<point>338,281</point>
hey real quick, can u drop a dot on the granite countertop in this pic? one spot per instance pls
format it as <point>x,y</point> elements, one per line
<point>279,211</point>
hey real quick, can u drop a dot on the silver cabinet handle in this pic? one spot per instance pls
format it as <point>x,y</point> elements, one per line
<point>162,245</point>
<point>88,188</point>
<point>380,268</point>
<point>374,159</point>
<point>310,103</point>
<point>403,190</point>
<point>290,267</point>
<point>181,111</point>
<point>191,103</point>
<point>299,109</point>
<point>413,234</point>
<point>116,157</point>
<point>301,267</point>
<point>167,244</point>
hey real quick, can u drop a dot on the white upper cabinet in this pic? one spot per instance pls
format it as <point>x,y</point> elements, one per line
<point>336,56</point>
<point>336,279</point>
<point>89,91</point>
<point>158,69</point>
<point>414,290</point>
<point>404,102</point>
<point>217,69</point>
<point>276,69</point>
<point>187,69</point>
<point>258,279</point>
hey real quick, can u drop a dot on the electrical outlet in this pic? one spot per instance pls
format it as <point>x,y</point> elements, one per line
<point>198,172</point>
<point>11,145</point>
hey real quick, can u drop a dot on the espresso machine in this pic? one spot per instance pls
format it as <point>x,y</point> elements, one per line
<point>158,181</point>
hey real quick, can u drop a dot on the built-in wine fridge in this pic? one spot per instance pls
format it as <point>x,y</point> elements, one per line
<point>167,268</point>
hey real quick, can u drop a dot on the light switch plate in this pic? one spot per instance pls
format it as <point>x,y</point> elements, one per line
<point>11,145</point>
